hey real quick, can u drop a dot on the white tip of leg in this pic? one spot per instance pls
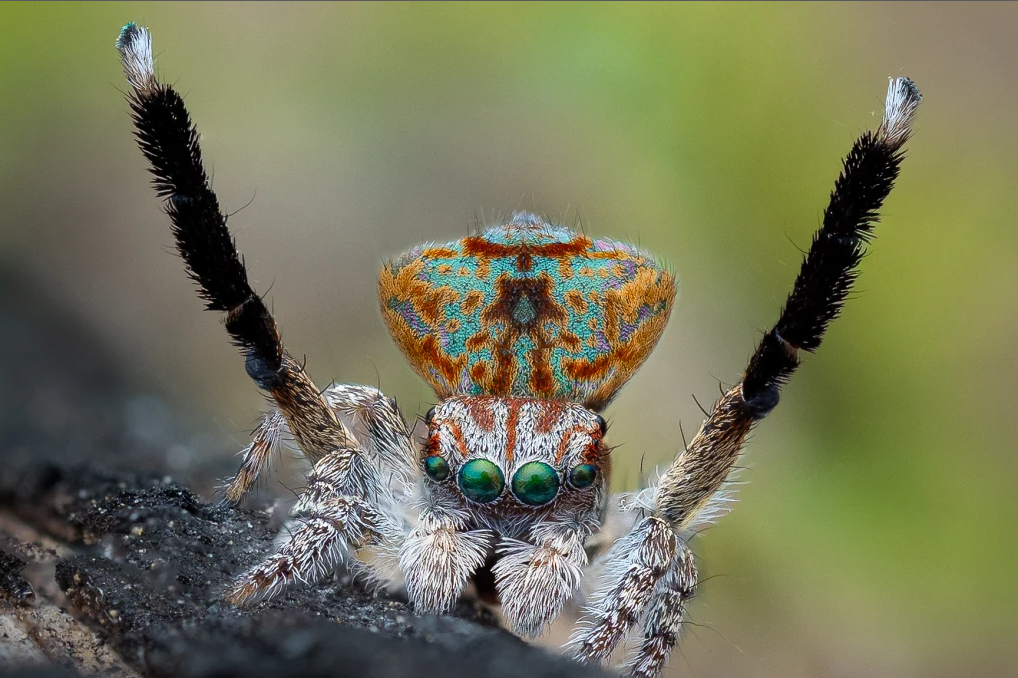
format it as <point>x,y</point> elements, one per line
<point>135,47</point>
<point>903,99</point>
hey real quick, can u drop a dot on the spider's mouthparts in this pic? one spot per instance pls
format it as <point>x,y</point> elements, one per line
<point>900,108</point>
<point>135,46</point>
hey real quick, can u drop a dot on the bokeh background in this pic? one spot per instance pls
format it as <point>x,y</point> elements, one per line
<point>877,533</point>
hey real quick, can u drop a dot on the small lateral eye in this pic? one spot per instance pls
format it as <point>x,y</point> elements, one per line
<point>436,468</point>
<point>535,483</point>
<point>429,416</point>
<point>602,424</point>
<point>582,476</point>
<point>481,480</point>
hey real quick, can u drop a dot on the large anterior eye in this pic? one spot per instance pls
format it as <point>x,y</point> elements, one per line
<point>481,480</point>
<point>535,483</point>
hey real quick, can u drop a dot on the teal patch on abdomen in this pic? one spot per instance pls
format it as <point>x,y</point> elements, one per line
<point>527,309</point>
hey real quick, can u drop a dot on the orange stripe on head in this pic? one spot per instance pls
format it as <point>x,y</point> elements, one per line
<point>563,443</point>
<point>513,407</point>
<point>457,435</point>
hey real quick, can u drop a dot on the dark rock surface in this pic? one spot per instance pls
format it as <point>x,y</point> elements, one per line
<point>14,589</point>
<point>138,560</point>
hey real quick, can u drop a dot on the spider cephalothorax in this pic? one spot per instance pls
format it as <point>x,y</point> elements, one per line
<point>526,331</point>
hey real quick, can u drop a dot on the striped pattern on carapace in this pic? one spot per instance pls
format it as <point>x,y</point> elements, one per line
<point>514,431</point>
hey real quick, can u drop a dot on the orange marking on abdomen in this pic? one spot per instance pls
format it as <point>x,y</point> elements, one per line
<point>477,246</point>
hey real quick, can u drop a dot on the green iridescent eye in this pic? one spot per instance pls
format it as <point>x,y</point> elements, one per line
<point>583,476</point>
<point>481,480</point>
<point>436,468</point>
<point>535,483</point>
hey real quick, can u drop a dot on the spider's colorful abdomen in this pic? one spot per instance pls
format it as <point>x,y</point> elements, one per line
<point>527,309</point>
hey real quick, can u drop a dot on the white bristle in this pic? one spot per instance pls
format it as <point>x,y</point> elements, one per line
<point>900,109</point>
<point>135,47</point>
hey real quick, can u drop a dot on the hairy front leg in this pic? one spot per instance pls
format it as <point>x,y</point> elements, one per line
<point>265,442</point>
<point>386,434</point>
<point>333,519</point>
<point>632,569</point>
<point>664,616</point>
<point>386,438</point>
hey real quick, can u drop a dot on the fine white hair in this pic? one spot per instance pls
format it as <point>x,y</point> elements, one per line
<point>135,47</point>
<point>900,109</point>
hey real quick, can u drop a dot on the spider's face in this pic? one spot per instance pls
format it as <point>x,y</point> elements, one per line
<point>515,454</point>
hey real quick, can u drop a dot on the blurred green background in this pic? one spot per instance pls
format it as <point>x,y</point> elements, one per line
<point>876,536</point>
